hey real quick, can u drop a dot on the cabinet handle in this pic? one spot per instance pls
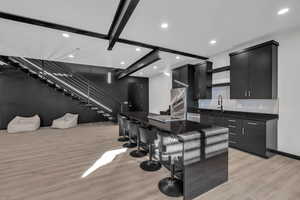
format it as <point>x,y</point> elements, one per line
<point>231,120</point>
<point>252,123</point>
<point>249,93</point>
<point>243,131</point>
<point>230,126</point>
<point>245,93</point>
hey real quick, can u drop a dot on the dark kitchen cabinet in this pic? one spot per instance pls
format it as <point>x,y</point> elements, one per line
<point>180,77</point>
<point>203,80</point>
<point>260,73</point>
<point>249,135</point>
<point>183,77</point>
<point>253,72</point>
<point>239,76</point>
<point>255,136</point>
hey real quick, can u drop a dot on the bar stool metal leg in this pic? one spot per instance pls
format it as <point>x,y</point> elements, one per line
<point>171,186</point>
<point>139,152</point>
<point>122,130</point>
<point>131,143</point>
<point>122,137</point>
<point>150,165</point>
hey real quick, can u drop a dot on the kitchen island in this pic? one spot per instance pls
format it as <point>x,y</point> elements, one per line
<point>211,169</point>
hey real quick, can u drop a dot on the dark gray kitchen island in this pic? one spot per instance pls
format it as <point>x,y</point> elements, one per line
<point>211,168</point>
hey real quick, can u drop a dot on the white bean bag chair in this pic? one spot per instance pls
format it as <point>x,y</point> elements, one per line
<point>67,121</point>
<point>24,124</point>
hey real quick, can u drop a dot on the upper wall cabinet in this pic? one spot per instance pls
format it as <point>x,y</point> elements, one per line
<point>180,77</point>
<point>253,72</point>
<point>203,80</point>
<point>184,77</point>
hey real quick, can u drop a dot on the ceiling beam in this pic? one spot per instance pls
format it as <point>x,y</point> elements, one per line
<point>70,29</point>
<point>150,46</point>
<point>124,12</point>
<point>51,25</point>
<point>145,61</point>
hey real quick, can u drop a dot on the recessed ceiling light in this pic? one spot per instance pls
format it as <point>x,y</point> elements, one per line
<point>138,49</point>
<point>71,56</point>
<point>122,63</point>
<point>154,67</point>
<point>283,11</point>
<point>164,25</point>
<point>213,42</point>
<point>177,57</point>
<point>66,35</point>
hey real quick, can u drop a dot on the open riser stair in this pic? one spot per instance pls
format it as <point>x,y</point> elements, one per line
<point>74,85</point>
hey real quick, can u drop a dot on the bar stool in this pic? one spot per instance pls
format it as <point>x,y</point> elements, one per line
<point>122,129</point>
<point>170,151</point>
<point>132,133</point>
<point>148,137</point>
<point>139,152</point>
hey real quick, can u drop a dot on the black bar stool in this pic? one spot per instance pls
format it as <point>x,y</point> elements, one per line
<point>122,129</point>
<point>170,151</point>
<point>139,152</point>
<point>132,133</point>
<point>148,137</point>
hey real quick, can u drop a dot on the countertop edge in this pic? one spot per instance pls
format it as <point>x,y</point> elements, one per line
<point>250,115</point>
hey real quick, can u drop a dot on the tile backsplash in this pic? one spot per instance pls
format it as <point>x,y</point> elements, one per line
<point>269,106</point>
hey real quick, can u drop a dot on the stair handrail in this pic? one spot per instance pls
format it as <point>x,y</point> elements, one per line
<point>63,82</point>
<point>81,83</point>
<point>87,81</point>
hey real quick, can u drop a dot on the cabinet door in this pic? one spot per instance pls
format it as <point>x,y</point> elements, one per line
<point>200,82</point>
<point>180,75</point>
<point>255,137</point>
<point>239,76</point>
<point>184,75</point>
<point>175,76</point>
<point>260,73</point>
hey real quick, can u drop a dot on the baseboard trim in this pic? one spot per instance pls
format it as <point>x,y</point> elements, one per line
<point>285,154</point>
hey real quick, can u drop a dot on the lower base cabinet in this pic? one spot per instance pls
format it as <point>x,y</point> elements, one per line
<point>252,136</point>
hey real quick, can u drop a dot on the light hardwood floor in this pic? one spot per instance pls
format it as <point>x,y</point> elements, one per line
<point>48,164</point>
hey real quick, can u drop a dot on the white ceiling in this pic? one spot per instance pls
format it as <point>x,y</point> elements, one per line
<point>192,24</point>
<point>92,15</point>
<point>18,39</point>
<point>166,64</point>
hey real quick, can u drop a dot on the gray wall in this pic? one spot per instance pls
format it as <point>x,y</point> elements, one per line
<point>24,96</point>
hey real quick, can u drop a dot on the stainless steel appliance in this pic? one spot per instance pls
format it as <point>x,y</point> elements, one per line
<point>178,107</point>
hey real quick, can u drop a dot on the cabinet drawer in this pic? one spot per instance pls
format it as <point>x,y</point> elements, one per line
<point>234,125</point>
<point>257,124</point>
<point>234,121</point>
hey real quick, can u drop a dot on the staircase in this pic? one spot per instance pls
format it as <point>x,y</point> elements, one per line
<point>70,84</point>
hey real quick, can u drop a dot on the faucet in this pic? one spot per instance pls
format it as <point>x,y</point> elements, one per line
<point>220,103</point>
